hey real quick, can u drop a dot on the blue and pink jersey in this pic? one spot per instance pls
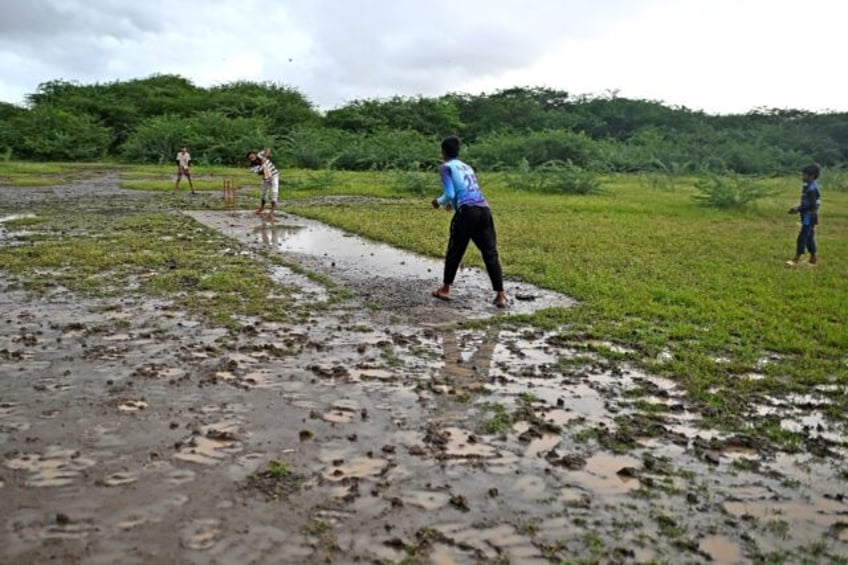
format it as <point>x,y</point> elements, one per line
<point>460,186</point>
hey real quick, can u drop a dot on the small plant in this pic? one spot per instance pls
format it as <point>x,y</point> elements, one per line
<point>500,422</point>
<point>730,192</point>
<point>277,470</point>
<point>275,482</point>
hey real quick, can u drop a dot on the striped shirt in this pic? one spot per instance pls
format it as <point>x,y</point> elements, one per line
<point>266,168</point>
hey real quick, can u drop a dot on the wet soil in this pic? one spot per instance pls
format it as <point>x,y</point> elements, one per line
<point>133,433</point>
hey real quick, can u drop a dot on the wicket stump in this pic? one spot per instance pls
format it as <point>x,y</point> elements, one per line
<point>229,193</point>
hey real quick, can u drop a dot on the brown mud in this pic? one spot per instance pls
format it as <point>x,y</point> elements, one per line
<point>132,433</point>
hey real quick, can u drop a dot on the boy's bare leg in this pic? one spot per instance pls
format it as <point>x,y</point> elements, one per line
<point>273,216</point>
<point>261,207</point>
<point>500,299</point>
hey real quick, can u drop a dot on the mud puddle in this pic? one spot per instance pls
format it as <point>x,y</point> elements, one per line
<point>130,432</point>
<point>395,279</point>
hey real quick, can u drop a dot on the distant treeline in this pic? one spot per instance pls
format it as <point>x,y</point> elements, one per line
<point>146,120</point>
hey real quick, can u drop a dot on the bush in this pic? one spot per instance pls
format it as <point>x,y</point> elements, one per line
<point>554,177</point>
<point>539,147</point>
<point>730,192</point>
<point>835,178</point>
<point>53,134</point>
<point>212,138</point>
<point>413,182</point>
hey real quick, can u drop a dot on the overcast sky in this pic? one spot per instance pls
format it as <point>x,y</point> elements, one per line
<point>720,56</point>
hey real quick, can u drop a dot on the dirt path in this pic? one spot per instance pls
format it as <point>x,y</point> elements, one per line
<point>132,433</point>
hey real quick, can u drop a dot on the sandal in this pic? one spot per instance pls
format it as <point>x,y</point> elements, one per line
<point>440,295</point>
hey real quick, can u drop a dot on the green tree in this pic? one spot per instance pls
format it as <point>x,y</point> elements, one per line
<point>56,134</point>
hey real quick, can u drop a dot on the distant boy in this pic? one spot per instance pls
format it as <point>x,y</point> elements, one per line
<point>184,168</point>
<point>808,209</point>
<point>472,221</point>
<point>261,164</point>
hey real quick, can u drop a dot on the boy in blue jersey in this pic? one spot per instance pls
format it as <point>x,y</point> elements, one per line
<point>472,221</point>
<point>808,209</point>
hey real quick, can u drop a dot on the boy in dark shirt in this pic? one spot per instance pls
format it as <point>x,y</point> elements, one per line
<point>808,209</point>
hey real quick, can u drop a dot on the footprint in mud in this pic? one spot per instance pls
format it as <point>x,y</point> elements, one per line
<point>60,528</point>
<point>201,535</point>
<point>135,516</point>
<point>120,478</point>
<point>7,409</point>
<point>132,406</point>
<point>342,412</point>
<point>51,384</point>
<point>56,467</point>
<point>211,445</point>
<point>427,499</point>
<point>496,543</point>
<point>261,544</point>
<point>456,443</point>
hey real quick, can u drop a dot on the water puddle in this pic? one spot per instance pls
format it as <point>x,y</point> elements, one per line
<point>722,550</point>
<point>13,217</point>
<point>604,474</point>
<point>376,266</point>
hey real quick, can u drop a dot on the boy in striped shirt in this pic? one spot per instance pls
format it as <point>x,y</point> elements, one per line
<point>261,164</point>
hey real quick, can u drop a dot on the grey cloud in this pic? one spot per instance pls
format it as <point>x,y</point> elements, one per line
<point>366,48</point>
<point>43,19</point>
<point>341,49</point>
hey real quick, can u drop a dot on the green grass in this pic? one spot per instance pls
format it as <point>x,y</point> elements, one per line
<point>33,174</point>
<point>654,270</point>
<point>162,254</point>
<point>651,268</point>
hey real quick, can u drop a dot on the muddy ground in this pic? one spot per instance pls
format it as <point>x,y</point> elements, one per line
<point>386,432</point>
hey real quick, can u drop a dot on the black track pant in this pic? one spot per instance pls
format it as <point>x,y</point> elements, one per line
<point>473,223</point>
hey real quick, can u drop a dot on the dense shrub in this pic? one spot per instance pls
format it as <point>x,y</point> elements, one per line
<point>554,177</point>
<point>389,149</point>
<point>507,150</point>
<point>212,138</point>
<point>53,134</point>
